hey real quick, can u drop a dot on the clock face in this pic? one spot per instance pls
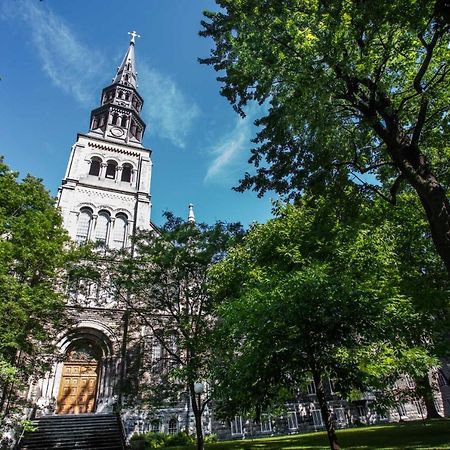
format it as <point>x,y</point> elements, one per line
<point>115,131</point>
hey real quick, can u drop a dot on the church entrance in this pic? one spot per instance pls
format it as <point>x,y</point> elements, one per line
<point>79,378</point>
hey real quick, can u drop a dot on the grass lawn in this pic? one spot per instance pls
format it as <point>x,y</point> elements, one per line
<point>430,435</point>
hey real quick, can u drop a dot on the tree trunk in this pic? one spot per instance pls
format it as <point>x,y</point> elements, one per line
<point>197,410</point>
<point>326,416</point>
<point>413,165</point>
<point>425,391</point>
<point>437,209</point>
<point>188,412</point>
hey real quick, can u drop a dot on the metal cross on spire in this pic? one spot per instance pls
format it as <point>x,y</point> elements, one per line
<point>133,35</point>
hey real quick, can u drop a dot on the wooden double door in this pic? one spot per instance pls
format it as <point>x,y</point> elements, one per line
<point>78,387</point>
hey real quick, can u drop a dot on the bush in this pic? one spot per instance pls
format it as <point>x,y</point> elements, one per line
<point>211,438</point>
<point>148,441</point>
<point>151,440</point>
<point>137,442</point>
<point>181,438</point>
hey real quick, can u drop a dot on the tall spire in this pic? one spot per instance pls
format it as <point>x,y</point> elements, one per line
<point>126,72</point>
<point>118,117</point>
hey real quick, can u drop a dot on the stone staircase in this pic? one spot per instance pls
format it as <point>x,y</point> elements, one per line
<point>75,432</point>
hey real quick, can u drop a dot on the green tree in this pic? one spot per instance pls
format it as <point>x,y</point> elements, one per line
<point>163,282</point>
<point>421,279</point>
<point>33,253</point>
<point>314,294</point>
<point>352,88</point>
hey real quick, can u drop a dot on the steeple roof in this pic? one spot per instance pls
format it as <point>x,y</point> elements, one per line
<point>118,116</point>
<point>126,72</point>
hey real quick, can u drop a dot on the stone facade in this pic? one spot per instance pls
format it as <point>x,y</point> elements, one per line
<point>104,197</point>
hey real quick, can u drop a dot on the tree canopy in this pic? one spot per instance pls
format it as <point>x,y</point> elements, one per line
<point>355,90</point>
<point>33,252</point>
<point>315,294</point>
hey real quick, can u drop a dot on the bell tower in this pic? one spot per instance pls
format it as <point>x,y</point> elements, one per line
<point>118,116</point>
<point>105,194</point>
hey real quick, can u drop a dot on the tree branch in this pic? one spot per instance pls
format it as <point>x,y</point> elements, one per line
<point>420,122</point>
<point>429,48</point>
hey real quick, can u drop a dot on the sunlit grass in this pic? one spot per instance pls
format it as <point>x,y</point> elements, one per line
<point>410,435</point>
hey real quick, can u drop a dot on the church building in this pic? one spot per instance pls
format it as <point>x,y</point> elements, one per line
<point>105,198</point>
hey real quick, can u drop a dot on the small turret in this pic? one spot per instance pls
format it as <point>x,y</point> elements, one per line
<point>191,215</point>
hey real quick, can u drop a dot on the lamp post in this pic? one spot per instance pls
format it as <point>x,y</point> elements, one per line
<point>199,388</point>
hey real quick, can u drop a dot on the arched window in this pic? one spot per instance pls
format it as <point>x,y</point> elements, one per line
<point>115,118</point>
<point>155,426</point>
<point>133,128</point>
<point>95,166</point>
<point>126,173</point>
<point>120,231</point>
<point>101,230</point>
<point>84,225</point>
<point>173,426</point>
<point>127,96</point>
<point>94,122</point>
<point>124,121</point>
<point>111,170</point>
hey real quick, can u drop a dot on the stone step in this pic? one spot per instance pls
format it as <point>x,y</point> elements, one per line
<point>75,432</point>
<point>37,437</point>
<point>73,446</point>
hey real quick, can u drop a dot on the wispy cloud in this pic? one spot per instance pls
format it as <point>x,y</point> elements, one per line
<point>231,152</point>
<point>72,66</point>
<point>169,113</point>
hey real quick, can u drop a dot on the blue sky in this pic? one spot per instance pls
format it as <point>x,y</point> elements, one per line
<point>57,55</point>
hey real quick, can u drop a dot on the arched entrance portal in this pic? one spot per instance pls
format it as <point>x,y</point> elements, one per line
<point>79,378</point>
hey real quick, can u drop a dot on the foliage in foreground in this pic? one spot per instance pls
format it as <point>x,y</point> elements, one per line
<point>32,255</point>
<point>317,294</point>
<point>158,440</point>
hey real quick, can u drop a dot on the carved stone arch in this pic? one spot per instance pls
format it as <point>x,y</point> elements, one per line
<point>90,205</point>
<point>89,329</point>
<point>95,154</point>
<point>106,208</point>
<point>123,211</point>
<point>128,161</point>
<point>85,376</point>
<point>114,159</point>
